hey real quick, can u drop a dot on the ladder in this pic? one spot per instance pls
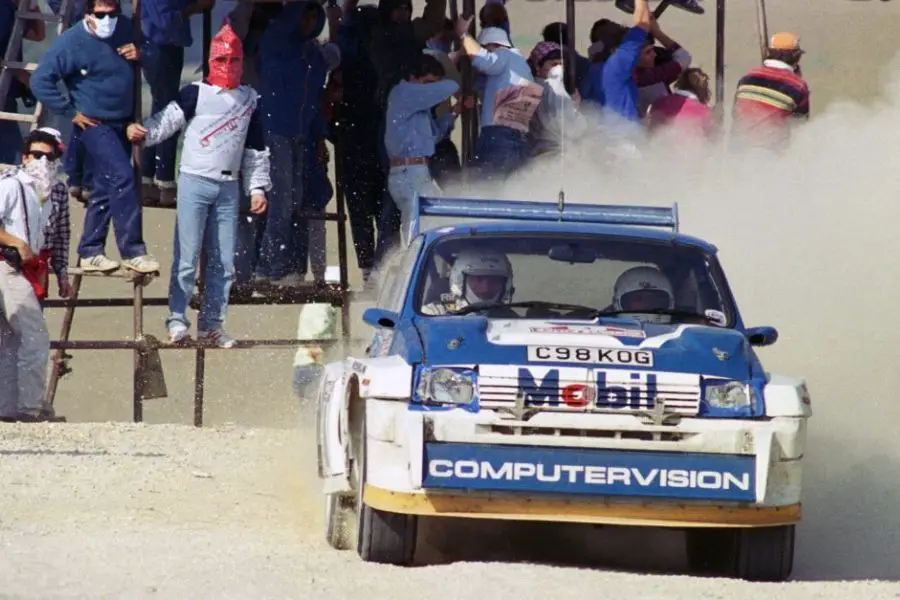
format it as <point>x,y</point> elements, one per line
<point>10,64</point>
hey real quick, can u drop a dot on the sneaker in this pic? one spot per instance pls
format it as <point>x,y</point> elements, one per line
<point>149,193</point>
<point>98,264</point>
<point>217,337</point>
<point>692,6</point>
<point>76,194</point>
<point>142,264</point>
<point>178,333</point>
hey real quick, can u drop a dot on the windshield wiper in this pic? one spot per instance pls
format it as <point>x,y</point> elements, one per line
<point>660,311</point>
<point>478,306</point>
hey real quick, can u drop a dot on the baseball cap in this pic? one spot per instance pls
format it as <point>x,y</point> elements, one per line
<point>494,35</point>
<point>784,41</point>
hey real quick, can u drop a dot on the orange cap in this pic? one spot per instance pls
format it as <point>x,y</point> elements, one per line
<point>785,41</point>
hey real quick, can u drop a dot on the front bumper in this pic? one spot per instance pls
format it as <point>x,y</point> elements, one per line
<point>401,441</point>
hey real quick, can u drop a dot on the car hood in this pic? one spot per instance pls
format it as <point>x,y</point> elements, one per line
<point>679,348</point>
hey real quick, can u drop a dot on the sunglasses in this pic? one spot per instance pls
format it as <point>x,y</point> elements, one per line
<point>102,14</point>
<point>39,154</point>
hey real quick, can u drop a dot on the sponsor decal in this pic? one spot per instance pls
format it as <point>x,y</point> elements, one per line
<point>608,356</point>
<point>630,390</point>
<point>358,366</point>
<point>589,330</point>
<point>590,472</point>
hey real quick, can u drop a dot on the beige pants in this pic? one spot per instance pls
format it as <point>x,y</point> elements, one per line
<point>24,346</point>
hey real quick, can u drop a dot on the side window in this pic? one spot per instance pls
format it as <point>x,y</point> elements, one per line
<point>399,276</point>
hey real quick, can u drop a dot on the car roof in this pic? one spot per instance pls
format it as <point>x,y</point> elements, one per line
<point>621,231</point>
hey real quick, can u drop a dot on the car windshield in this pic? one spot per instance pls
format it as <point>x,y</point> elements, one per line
<point>573,276</point>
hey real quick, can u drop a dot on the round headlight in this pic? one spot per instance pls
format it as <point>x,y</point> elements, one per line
<point>449,387</point>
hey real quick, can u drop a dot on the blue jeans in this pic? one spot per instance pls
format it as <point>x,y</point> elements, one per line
<point>115,194</point>
<point>250,230</point>
<point>404,183</point>
<point>499,151</point>
<point>76,162</point>
<point>162,65</point>
<point>205,217</point>
<point>285,241</point>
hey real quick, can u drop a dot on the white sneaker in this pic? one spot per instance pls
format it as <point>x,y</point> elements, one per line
<point>142,264</point>
<point>98,264</point>
<point>217,337</point>
<point>177,333</point>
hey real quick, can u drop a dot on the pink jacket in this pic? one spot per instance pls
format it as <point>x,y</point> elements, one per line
<point>683,110</point>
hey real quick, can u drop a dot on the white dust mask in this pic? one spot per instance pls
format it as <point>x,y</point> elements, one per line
<point>105,27</point>
<point>555,72</point>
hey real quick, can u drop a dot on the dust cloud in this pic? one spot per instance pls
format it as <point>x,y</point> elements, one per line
<point>807,238</point>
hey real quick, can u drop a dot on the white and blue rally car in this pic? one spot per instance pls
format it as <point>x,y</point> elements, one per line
<point>563,363</point>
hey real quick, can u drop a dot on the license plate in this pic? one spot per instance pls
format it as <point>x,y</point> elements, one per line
<point>598,356</point>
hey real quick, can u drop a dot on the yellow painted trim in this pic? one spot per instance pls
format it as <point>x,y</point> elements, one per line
<point>653,514</point>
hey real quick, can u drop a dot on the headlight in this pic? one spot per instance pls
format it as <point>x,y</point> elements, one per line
<point>731,395</point>
<point>446,386</point>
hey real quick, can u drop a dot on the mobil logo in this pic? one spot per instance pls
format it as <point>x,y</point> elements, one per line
<point>613,389</point>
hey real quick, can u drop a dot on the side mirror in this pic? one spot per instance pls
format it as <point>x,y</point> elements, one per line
<point>378,317</point>
<point>762,336</point>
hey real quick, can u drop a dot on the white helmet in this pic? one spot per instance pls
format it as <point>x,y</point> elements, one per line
<point>643,279</point>
<point>485,263</point>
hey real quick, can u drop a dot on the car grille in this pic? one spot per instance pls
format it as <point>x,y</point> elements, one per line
<point>499,387</point>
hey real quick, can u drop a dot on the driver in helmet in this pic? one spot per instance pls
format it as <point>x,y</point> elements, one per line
<point>644,288</point>
<point>476,277</point>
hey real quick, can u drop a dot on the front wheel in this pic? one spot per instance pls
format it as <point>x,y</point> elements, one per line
<point>754,554</point>
<point>381,537</point>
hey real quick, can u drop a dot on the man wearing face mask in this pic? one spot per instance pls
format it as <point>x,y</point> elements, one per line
<point>95,60</point>
<point>223,138</point>
<point>556,108</point>
<point>24,265</point>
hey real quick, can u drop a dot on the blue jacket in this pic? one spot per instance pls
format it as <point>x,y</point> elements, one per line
<point>99,81</point>
<point>162,22</point>
<point>411,130</point>
<point>619,88</point>
<point>292,75</point>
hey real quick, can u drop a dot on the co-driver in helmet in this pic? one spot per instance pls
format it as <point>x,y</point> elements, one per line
<point>644,288</point>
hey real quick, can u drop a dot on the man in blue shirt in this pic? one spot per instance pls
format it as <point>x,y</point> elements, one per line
<point>94,60</point>
<point>411,134</point>
<point>166,29</point>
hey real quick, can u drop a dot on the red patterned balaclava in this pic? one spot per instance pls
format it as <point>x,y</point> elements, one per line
<point>223,71</point>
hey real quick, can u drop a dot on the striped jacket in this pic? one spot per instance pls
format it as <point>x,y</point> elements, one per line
<point>768,99</point>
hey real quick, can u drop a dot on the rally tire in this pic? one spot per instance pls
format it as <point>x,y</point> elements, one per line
<point>339,521</point>
<point>381,537</point>
<point>711,551</point>
<point>765,553</point>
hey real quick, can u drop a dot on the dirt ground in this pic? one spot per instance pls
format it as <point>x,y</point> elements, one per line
<point>94,509</point>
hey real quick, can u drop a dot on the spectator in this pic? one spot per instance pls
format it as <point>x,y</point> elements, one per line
<point>412,133</point>
<point>294,68</point>
<point>10,133</point>
<point>24,340</point>
<point>771,97</point>
<point>166,29</point>
<point>445,162</point>
<point>557,109</point>
<point>669,63</point>
<point>443,40</point>
<point>223,136</point>
<point>509,100</point>
<point>358,123</point>
<point>249,21</point>
<point>558,33</point>
<point>605,37</point>
<point>93,59</point>
<point>618,84</point>
<point>686,109</point>
<point>395,48</point>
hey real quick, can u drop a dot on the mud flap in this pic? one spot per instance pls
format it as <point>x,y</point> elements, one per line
<point>149,376</point>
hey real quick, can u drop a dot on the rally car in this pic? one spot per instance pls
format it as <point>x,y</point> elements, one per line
<point>564,363</point>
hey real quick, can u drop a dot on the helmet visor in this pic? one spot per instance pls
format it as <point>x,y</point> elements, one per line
<point>645,300</point>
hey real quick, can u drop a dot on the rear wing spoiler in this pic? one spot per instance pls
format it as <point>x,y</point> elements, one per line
<point>456,209</point>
